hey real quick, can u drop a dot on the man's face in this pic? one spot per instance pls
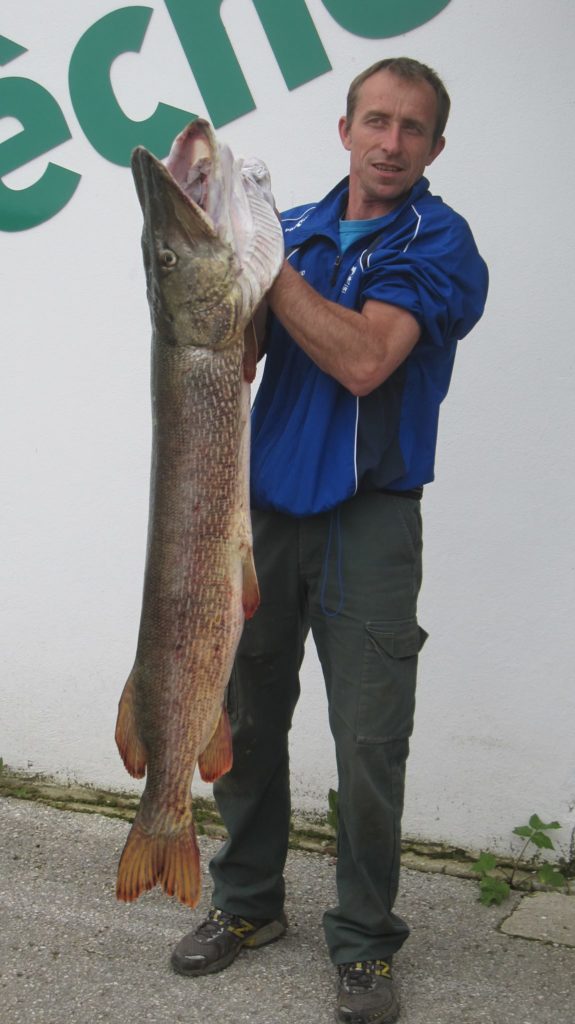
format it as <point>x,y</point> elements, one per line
<point>390,141</point>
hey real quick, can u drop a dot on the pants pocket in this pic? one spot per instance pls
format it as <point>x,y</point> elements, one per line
<point>386,702</point>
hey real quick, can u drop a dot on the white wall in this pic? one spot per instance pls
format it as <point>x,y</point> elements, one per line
<point>496,712</point>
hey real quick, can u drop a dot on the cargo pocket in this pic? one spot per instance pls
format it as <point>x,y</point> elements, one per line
<point>386,701</point>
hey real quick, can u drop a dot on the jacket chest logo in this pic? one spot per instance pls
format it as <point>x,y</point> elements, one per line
<point>349,279</point>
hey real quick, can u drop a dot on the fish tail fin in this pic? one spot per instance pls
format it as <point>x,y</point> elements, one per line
<point>171,860</point>
<point>217,758</point>
<point>132,750</point>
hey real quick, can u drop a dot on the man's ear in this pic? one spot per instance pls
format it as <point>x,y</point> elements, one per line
<point>437,149</point>
<point>344,132</point>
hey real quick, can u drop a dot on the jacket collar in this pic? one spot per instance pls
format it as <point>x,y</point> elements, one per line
<point>323,219</point>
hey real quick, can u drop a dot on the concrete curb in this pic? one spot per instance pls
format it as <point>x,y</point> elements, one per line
<point>309,834</point>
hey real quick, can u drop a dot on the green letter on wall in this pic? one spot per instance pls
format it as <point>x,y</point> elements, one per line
<point>292,36</point>
<point>9,50</point>
<point>43,127</point>
<point>106,125</point>
<point>212,59</point>
<point>378,19</point>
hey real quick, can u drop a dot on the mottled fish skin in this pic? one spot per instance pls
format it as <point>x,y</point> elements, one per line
<point>204,280</point>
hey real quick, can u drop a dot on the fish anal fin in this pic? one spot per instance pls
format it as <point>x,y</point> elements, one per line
<point>250,588</point>
<point>171,860</point>
<point>131,748</point>
<point>217,758</point>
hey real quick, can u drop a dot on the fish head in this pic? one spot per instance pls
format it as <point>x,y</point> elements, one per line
<point>212,242</point>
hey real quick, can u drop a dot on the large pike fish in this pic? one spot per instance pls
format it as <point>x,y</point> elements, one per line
<point>212,247</point>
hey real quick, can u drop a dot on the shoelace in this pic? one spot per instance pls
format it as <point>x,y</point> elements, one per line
<point>219,921</point>
<point>362,974</point>
<point>209,929</point>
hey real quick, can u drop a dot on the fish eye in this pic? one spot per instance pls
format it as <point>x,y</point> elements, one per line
<point>168,258</point>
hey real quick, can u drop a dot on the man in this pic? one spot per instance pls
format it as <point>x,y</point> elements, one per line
<point>381,280</point>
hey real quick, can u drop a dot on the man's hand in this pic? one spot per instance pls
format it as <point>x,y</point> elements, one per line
<point>360,350</point>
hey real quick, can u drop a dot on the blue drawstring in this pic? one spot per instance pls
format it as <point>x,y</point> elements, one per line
<point>335,515</point>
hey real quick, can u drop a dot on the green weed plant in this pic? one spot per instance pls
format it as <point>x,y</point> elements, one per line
<point>495,882</point>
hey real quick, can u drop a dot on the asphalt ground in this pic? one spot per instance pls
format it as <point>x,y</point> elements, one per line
<point>70,953</point>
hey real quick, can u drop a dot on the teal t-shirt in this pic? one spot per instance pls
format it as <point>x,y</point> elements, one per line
<point>350,230</point>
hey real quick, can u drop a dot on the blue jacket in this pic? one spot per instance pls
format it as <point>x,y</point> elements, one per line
<point>314,444</point>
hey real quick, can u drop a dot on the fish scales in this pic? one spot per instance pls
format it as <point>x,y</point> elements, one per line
<point>191,614</point>
<point>199,582</point>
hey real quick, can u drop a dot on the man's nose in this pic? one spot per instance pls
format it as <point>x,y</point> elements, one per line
<point>392,138</point>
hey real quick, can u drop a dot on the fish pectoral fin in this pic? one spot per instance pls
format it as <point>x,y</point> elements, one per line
<point>217,758</point>
<point>132,750</point>
<point>250,588</point>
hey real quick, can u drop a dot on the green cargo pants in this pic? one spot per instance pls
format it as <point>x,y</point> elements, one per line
<point>352,576</point>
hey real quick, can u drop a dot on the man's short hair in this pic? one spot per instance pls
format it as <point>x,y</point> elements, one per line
<point>404,67</point>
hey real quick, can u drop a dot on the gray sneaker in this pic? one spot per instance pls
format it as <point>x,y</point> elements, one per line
<point>366,993</point>
<point>217,941</point>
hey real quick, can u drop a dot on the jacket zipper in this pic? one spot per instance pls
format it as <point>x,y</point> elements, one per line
<point>336,267</point>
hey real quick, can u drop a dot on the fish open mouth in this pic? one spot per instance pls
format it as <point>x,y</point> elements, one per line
<point>191,183</point>
<point>196,186</point>
<point>200,193</point>
<point>233,195</point>
<point>195,164</point>
<point>213,193</point>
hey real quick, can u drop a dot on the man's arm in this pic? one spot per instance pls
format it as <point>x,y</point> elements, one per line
<point>360,350</point>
